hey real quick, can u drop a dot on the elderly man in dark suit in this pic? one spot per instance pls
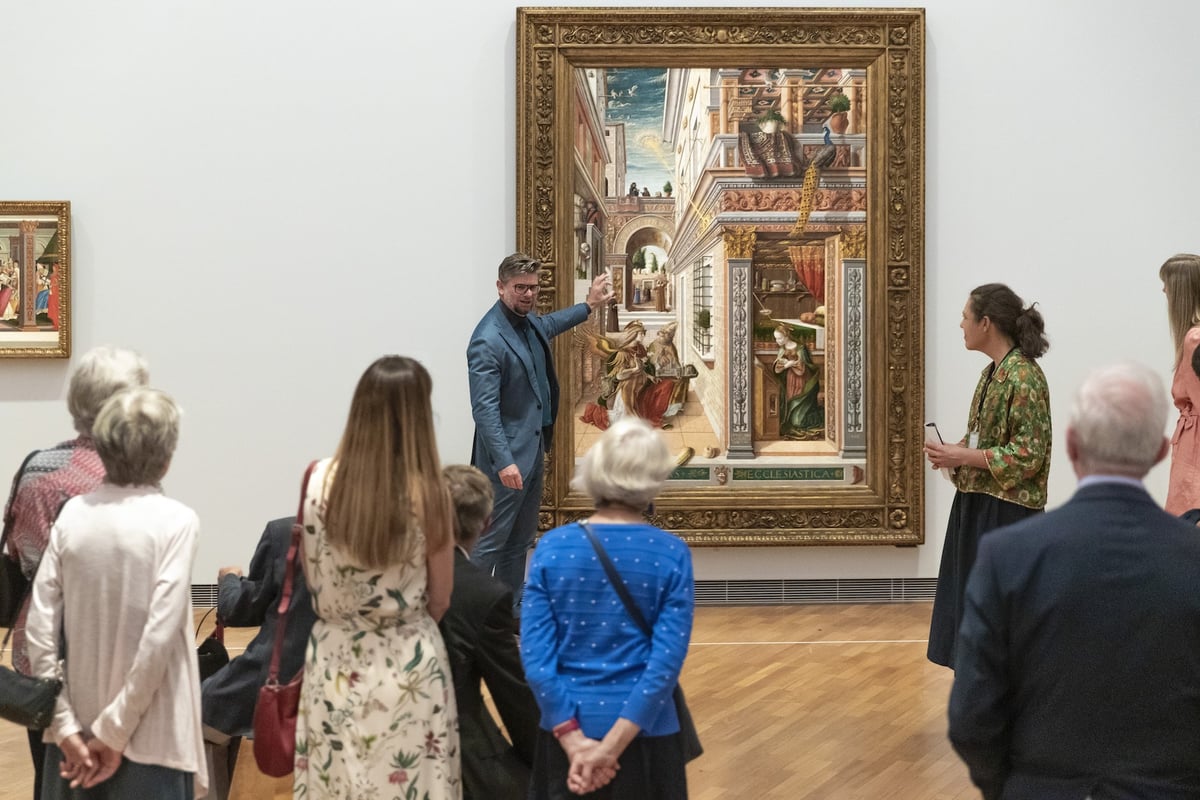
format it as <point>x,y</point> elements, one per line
<point>228,697</point>
<point>514,400</point>
<point>481,640</point>
<point>1078,668</point>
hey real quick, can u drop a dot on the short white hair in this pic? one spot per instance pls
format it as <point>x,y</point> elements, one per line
<point>136,433</point>
<point>102,372</point>
<point>628,465</point>
<point>1118,419</point>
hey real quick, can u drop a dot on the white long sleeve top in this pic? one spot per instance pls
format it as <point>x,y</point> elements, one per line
<point>116,579</point>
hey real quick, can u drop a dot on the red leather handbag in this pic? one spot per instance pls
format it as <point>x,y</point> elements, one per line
<point>278,703</point>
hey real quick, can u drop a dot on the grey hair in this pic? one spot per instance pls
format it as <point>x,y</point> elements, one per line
<point>628,465</point>
<point>1118,419</point>
<point>136,433</point>
<point>517,264</point>
<point>102,372</point>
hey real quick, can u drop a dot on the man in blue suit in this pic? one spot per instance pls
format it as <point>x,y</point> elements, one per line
<point>514,400</point>
<point>1078,666</point>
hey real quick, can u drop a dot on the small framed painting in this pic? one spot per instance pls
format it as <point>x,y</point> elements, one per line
<point>35,279</point>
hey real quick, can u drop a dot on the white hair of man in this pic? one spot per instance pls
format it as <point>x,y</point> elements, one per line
<point>1117,421</point>
<point>628,465</point>
<point>136,433</point>
<point>102,372</point>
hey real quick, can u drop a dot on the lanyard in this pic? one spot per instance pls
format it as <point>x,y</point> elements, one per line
<point>975,423</point>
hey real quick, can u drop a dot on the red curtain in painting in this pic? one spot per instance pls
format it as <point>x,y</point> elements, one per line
<point>809,263</point>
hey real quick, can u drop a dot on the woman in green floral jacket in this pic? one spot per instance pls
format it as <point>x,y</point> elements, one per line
<point>1001,465</point>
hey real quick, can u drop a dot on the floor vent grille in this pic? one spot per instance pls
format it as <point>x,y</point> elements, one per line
<point>764,592</point>
<point>204,595</point>
<point>829,590</point>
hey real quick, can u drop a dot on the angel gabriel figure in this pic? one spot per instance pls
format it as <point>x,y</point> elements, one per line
<point>631,383</point>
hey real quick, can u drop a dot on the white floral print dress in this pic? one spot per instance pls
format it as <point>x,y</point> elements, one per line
<point>377,717</point>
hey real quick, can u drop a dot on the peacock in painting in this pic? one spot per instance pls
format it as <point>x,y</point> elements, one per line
<point>808,192</point>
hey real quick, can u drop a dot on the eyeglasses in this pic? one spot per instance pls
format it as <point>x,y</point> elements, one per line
<point>525,288</point>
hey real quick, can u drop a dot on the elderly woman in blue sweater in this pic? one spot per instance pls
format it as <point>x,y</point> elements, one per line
<point>608,722</point>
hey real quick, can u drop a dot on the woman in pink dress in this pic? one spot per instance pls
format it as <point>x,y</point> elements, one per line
<point>1180,275</point>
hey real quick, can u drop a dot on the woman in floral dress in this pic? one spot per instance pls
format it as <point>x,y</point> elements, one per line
<point>1001,467</point>
<point>377,715</point>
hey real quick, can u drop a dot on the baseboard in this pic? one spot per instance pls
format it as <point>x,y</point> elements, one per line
<point>762,592</point>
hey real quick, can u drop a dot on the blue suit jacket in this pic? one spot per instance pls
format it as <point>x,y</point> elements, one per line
<point>504,393</point>
<point>1078,668</point>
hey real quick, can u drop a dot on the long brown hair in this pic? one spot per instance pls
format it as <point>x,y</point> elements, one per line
<point>386,476</point>
<point>1180,275</point>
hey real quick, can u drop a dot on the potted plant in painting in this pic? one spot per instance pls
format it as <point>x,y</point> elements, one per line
<point>839,120</point>
<point>667,189</point>
<point>704,319</point>
<point>770,121</point>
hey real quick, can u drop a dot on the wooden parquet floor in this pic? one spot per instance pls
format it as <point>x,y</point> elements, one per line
<point>821,702</point>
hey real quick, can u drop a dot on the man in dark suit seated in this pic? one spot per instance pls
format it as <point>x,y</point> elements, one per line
<point>481,639</point>
<point>228,697</point>
<point>1078,667</point>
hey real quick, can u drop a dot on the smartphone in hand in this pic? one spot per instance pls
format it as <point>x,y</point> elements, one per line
<point>934,436</point>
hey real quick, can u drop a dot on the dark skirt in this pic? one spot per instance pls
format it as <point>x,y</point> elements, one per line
<point>131,780</point>
<point>652,768</point>
<point>972,515</point>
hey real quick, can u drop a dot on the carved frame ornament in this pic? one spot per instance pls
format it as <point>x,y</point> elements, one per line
<point>887,506</point>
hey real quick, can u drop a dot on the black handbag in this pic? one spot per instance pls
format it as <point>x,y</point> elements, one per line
<point>14,586</point>
<point>211,653</point>
<point>24,700</point>
<point>687,728</point>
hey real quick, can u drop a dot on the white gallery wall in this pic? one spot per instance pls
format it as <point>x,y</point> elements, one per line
<point>267,195</point>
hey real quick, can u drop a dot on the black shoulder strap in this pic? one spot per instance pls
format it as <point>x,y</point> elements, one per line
<point>614,578</point>
<point>9,515</point>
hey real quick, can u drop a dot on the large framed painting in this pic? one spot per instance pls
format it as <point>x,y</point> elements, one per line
<point>35,279</point>
<point>753,181</point>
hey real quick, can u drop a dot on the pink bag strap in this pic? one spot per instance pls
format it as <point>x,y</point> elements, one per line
<point>289,572</point>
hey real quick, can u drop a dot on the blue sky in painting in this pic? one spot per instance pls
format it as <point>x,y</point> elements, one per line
<point>636,97</point>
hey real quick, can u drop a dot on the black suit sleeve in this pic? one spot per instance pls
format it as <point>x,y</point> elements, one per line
<point>979,700</point>
<point>243,602</point>
<point>499,661</point>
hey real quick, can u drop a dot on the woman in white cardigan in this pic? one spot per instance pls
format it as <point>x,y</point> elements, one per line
<point>115,582</point>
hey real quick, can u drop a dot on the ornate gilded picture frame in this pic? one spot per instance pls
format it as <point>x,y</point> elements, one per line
<point>35,279</point>
<point>753,181</point>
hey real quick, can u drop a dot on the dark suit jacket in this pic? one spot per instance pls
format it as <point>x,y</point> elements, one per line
<point>227,698</point>
<point>1078,668</point>
<point>481,639</point>
<point>504,392</point>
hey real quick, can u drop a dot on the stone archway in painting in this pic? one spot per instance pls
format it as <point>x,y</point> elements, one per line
<point>634,234</point>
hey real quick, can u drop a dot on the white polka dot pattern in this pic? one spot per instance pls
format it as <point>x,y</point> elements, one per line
<point>583,655</point>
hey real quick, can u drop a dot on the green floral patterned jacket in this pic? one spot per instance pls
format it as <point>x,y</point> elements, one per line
<point>1011,411</point>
